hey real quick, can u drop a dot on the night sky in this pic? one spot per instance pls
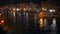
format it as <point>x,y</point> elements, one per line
<point>4,2</point>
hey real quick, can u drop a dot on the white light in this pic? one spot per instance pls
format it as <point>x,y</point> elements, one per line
<point>18,9</point>
<point>51,10</point>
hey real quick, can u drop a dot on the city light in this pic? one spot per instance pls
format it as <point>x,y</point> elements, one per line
<point>29,18</point>
<point>44,9</point>
<point>51,10</point>
<point>18,9</point>
<point>41,14</point>
<point>2,21</point>
<point>0,14</point>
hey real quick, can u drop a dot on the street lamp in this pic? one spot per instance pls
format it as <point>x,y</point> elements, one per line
<point>18,9</point>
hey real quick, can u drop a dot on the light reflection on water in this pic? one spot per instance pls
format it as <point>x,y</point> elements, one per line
<point>49,29</point>
<point>45,24</point>
<point>41,22</point>
<point>53,26</point>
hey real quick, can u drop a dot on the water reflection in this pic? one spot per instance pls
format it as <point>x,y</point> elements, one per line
<point>41,22</point>
<point>45,24</point>
<point>46,28</point>
<point>53,26</point>
<point>53,22</point>
<point>27,18</point>
<point>14,14</point>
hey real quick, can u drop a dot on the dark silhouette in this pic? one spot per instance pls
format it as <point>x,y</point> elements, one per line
<point>1,30</point>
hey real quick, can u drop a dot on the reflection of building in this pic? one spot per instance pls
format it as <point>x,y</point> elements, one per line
<point>28,17</point>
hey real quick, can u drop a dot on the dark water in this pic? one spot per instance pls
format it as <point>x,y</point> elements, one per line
<point>28,24</point>
<point>31,29</point>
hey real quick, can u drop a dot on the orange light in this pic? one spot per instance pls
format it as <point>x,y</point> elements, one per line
<point>41,22</point>
<point>5,28</point>
<point>14,9</point>
<point>41,14</point>
<point>2,21</point>
<point>0,14</point>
